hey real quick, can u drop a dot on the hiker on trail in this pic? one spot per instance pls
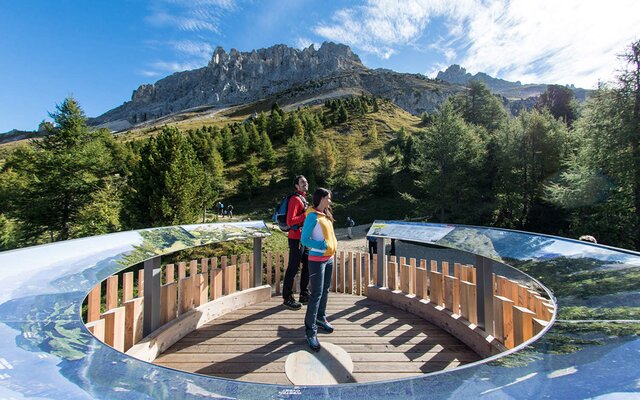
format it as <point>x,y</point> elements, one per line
<point>373,246</point>
<point>230,210</point>
<point>350,224</point>
<point>295,218</point>
<point>220,208</point>
<point>319,237</point>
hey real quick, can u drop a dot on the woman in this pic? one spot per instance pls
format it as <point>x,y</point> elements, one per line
<point>318,236</point>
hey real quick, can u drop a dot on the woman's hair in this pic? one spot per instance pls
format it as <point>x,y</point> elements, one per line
<point>318,195</point>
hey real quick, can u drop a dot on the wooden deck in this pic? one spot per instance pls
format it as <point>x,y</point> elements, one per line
<point>253,343</point>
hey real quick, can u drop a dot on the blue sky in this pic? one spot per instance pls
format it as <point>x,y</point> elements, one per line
<point>100,51</point>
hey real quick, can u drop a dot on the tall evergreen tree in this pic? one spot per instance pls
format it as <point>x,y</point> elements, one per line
<point>47,183</point>
<point>266,152</point>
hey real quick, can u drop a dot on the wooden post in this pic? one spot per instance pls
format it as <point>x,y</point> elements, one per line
<point>114,325</point>
<point>392,275</point>
<point>93,304</point>
<point>277,280</point>
<point>349,284</point>
<point>229,279</point>
<point>182,270</point>
<point>216,283</point>
<point>435,289</point>
<point>421,283</point>
<point>503,317</point>
<point>169,273</point>
<point>152,308</point>
<point>141,282</point>
<point>452,294</point>
<point>468,303</point>
<point>358,273</point>
<point>112,292</point>
<point>405,278</point>
<point>412,272</point>
<point>522,324</point>
<point>538,325</point>
<point>127,286</point>
<point>269,269</point>
<point>133,322</point>
<point>96,328</point>
<point>367,274</point>
<point>168,302</point>
<point>341,279</point>
<point>201,286</point>
<point>193,267</point>
<point>245,276</point>
<point>185,295</point>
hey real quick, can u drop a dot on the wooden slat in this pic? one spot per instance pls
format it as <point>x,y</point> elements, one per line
<point>278,283</point>
<point>114,327</point>
<point>405,278</point>
<point>216,283</point>
<point>503,317</point>
<point>93,303</point>
<point>367,275</point>
<point>141,282</point>
<point>193,268</point>
<point>349,277</point>
<point>451,297</point>
<point>133,322</point>
<point>468,307</point>
<point>392,275</point>
<point>168,302</point>
<point>342,273</point>
<point>421,283</point>
<point>182,270</point>
<point>374,269</point>
<point>244,276</point>
<point>127,286</point>
<point>269,269</point>
<point>112,292</point>
<point>358,274</point>
<point>412,271</point>
<point>96,328</point>
<point>436,295</point>
<point>169,273</point>
<point>538,325</point>
<point>185,295</point>
<point>201,287</point>
<point>229,278</point>
<point>522,324</point>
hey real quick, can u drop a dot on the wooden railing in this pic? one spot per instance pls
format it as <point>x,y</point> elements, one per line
<point>519,311</point>
<point>120,323</point>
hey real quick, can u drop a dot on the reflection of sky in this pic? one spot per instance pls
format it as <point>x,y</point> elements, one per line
<point>47,383</point>
<point>25,268</point>
<point>584,250</point>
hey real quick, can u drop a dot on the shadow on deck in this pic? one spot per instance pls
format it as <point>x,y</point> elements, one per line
<point>253,343</point>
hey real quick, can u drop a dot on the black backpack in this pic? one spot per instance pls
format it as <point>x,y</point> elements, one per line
<point>280,215</point>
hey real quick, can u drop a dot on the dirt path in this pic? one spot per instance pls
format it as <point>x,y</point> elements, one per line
<point>359,241</point>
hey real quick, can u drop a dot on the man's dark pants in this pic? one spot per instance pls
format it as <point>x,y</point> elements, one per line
<point>295,255</point>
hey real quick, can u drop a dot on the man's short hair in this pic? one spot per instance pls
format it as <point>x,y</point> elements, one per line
<point>296,180</point>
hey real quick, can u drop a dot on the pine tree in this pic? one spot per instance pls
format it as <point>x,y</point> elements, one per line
<point>250,180</point>
<point>267,153</point>
<point>227,148</point>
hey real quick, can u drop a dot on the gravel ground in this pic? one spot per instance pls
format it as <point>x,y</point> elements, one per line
<point>359,241</point>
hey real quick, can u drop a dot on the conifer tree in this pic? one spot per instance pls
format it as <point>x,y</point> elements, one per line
<point>267,153</point>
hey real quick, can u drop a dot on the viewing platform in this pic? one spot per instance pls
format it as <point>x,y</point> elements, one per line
<point>253,343</point>
<point>447,316</point>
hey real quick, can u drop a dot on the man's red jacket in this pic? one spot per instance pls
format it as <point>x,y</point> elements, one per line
<point>296,215</point>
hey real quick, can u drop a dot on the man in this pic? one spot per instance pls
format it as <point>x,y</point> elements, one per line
<point>350,224</point>
<point>295,218</point>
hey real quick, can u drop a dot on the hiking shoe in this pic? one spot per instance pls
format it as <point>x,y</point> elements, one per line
<point>291,304</point>
<point>324,325</point>
<point>313,342</point>
<point>304,299</point>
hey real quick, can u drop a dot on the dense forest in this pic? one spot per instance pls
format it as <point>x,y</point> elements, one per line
<point>561,168</point>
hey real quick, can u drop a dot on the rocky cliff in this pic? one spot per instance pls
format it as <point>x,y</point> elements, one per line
<point>286,74</point>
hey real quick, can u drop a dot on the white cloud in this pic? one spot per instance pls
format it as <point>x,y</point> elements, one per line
<point>150,74</point>
<point>200,49</point>
<point>174,66</point>
<point>303,43</point>
<point>543,41</point>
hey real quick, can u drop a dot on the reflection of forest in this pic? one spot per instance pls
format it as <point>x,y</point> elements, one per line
<point>167,240</point>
